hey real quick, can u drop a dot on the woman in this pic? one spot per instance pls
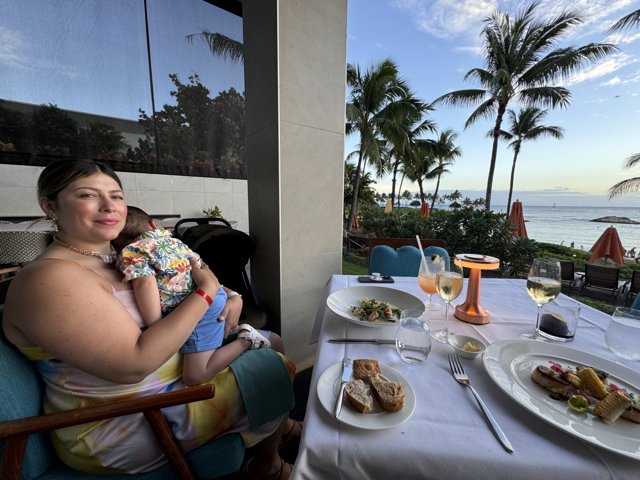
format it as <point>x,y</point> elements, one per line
<point>70,312</point>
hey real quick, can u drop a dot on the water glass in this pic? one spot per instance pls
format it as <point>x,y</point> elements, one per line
<point>559,320</point>
<point>413,336</point>
<point>623,333</point>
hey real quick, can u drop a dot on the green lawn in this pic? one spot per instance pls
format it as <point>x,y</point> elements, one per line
<point>352,268</point>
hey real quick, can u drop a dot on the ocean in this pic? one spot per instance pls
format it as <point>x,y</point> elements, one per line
<point>563,225</point>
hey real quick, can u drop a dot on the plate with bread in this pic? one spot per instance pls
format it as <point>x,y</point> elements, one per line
<point>376,397</point>
<point>372,306</point>
<point>592,398</point>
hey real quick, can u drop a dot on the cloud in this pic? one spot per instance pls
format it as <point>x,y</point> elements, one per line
<point>12,48</point>
<point>456,18</point>
<point>448,18</point>
<point>606,67</point>
<point>614,81</point>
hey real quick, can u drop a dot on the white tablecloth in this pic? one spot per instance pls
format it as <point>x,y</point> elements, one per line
<point>447,436</point>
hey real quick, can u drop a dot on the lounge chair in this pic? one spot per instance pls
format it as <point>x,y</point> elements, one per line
<point>632,287</point>
<point>601,282</point>
<point>568,276</point>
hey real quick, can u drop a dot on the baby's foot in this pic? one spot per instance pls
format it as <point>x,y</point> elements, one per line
<point>258,340</point>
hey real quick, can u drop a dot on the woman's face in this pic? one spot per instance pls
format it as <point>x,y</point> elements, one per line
<point>91,209</point>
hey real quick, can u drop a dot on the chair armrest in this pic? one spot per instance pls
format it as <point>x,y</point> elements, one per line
<point>16,431</point>
<point>110,409</point>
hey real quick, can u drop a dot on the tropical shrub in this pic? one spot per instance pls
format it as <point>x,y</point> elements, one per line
<point>469,229</point>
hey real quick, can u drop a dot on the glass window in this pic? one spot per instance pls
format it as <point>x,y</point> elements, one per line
<point>84,79</point>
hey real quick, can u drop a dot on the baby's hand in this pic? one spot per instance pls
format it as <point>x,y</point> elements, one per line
<point>204,278</point>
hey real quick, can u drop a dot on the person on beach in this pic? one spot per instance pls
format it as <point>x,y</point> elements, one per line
<point>70,313</point>
<point>158,267</point>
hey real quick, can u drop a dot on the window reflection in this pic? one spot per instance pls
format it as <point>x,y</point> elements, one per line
<point>79,79</point>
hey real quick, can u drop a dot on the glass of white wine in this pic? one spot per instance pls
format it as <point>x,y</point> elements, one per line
<point>543,285</point>
<point>449,285</point>
<point>429,268</point>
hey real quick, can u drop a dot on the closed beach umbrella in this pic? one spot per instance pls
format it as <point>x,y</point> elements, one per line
<point>517,219</point>
<point>355,225</point>
<point>388,207</point>
<point>424,210</point>
<point>608,246</point>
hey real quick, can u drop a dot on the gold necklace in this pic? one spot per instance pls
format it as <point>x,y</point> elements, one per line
<point>105,258</point>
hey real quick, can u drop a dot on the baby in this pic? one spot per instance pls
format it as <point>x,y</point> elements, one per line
<point>158,267</point>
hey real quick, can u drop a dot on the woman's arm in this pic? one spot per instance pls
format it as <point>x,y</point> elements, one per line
<point>72,314</point>
<point>148,298</point>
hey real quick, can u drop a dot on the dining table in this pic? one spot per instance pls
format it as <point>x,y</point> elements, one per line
<point>446,436</point>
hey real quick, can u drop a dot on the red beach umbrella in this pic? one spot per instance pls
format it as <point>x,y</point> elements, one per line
<point>608,246</point>
<point>517,219</point>
<point>424,210</point>
<point>355,225</point>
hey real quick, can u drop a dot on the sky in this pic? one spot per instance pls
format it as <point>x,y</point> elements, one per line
<point>435,42</point>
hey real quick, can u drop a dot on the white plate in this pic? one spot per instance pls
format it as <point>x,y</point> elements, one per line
<point>510,363</point>
<point>341,301</point>
<point>378,419</point>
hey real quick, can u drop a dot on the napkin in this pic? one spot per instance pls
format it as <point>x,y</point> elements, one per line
<point>264,384</point>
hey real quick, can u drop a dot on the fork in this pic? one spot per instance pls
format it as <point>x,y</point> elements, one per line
<point>457,370</point>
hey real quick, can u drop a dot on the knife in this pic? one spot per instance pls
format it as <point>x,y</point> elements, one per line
<point>362,340</point>
<point>347,366</point>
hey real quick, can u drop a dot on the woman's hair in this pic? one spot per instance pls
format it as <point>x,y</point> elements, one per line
<point>57,175</point>
<point>137,223</point>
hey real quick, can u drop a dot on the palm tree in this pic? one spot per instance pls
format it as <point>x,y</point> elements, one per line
<point>220,45</point>
<point>525,125</point>
<point>521,63</point>
<point>445,154</point>
<point>630,184</point>
<point>405,140</point>
<point>373,111</point>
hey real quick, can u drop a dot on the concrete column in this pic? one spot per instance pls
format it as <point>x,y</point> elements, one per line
<point>295,67</point>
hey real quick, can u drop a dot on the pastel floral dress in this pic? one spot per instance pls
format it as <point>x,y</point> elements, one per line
<point>127,444</point>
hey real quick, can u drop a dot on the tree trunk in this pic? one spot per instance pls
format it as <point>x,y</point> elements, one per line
<point>421,191</point>
<point>354,200</point>
<point>516,151</point>
<point>435,194</point>
<point>393,181</point>
<point>494,155</point>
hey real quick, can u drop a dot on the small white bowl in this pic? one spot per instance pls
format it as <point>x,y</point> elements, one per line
<point>459,341</point>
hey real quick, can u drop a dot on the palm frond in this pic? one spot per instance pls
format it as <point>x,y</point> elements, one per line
<point>630,20</point>
<point>220,45</point>
<point>630,185</point>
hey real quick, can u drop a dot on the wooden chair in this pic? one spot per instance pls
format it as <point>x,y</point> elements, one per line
<point>601,281</point>
<point>24,442</point>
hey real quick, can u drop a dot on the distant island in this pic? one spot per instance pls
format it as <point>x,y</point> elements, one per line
<point>613,219</point>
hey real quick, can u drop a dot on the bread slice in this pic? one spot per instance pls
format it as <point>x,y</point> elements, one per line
<point>390,395</point>
<point>364,369</point>
<point>359,395</point>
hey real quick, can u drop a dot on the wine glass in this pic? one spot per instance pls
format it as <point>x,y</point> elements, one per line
<point>543,285</point>
<point>429,268</point>
<point>449,285</point>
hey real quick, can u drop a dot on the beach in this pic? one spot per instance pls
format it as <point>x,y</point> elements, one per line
<point>563,225</point>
